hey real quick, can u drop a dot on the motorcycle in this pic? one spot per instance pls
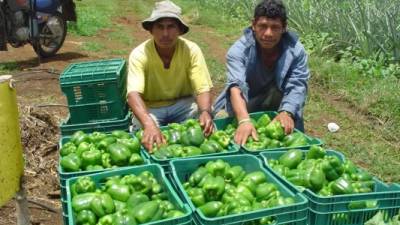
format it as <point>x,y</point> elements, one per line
<point>41,23</point>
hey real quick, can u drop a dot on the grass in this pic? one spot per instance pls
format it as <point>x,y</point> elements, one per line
<point>360,141</point>
<point>93,16</point>
<point>92,46</point>
<point>8,67</point>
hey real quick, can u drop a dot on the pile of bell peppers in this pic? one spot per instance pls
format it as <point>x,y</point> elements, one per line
<point>270,135</point>
<point>128,200</point>
<point>96,151</point>
<point>220,189</point>
<point>324,174</point>
<point>187,139</point>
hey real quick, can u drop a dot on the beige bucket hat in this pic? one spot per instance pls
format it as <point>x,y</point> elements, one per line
<point>165,9</point>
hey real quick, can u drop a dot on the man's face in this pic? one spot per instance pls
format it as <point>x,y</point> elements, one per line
<point>268,31</point>
<point>165,33</point>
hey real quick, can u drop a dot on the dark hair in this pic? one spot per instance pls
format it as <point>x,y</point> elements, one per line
<point>271,9</point>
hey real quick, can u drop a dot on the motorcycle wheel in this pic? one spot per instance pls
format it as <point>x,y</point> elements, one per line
<point>51,36</point>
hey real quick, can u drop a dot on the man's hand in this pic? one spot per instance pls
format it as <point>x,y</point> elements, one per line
<point>206,123</point>
<point>286,120</point>
<point>243,132</point>
<point>152,135</point>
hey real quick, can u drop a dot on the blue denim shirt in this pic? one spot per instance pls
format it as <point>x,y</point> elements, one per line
<point>291,73</point>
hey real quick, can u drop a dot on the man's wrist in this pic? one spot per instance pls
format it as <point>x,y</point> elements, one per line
<point>205,111</point>
<point>288,113</point>
<point>245,120</point>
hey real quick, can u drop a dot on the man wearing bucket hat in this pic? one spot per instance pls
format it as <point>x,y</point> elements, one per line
<point>168,80</point>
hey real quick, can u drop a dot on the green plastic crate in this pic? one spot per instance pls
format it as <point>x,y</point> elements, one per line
<point>68,128</point>
<point>158,173</point>
<point>358,217</point>
<point>183,168</point>
<point>65,175</point>
<point>221,124</point>
<point>95,90</point>
<point>102,110</point>
<point>387,197</point>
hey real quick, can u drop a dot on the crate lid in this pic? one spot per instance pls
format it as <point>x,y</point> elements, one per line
<point>93,71</point>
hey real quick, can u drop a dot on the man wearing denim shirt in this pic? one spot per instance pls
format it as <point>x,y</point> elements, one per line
<point>267,70</point>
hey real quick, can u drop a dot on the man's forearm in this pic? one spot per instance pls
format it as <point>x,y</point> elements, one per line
<point>203,101</point>
<point>139,108</point>
<point>238,104</point>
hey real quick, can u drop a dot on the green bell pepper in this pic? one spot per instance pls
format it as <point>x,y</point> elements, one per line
<point>102,205</point>
<point>234,174</point>
<point>197,196</point>
<point>243,191</point>
<point>257,177</point>
<point>174,214</point>
<point>265,191</point>
<point>132,144</point>
<point>250,184</point>
<point>341,186</point>
<point>84,184</point>
<point>332,167</point>
<point>94,167</point>
<point>193,135</point>
<point>120,206</point>
<point>135,199</point>
<point>118,191</point>
<point>349,167</point>
<point>275,130</point>
<point>71,163</point>
<point>83,201</point>
<point>230,130</point>
<point>83,147</point>
<point>316,152</point>
<point>91,157</point>
<point>79,137</point>
<point>211,209</point>
<point>263,121</point>
<point>197,176</point>
<point>119,154</point>
<point>148,211</point>
<point>174,137</point>
<point>188,151</point>
<point>135,159</point>
<point>107,220</point>
<point>120,134</point>
<point>291,158</point>
<point>361,176</point>
<point>106,160</point>
<point>86,217</point>
<point>213,187</point>
<point>105,142</point>
<point>210,146</point>
<point>217,167</point>
<point>295,139</point>
<point>313,178</point>
<point>221,137</point>
<point>140,183</point>
<point>124,218</point>
<point>97,136</point>
<point>280,170</point>
<point>67,149</point>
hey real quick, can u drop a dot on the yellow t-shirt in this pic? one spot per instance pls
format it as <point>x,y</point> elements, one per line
<point>187,74</point>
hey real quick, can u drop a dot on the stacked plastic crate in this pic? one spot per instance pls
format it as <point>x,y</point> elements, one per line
<point>96,96</point>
